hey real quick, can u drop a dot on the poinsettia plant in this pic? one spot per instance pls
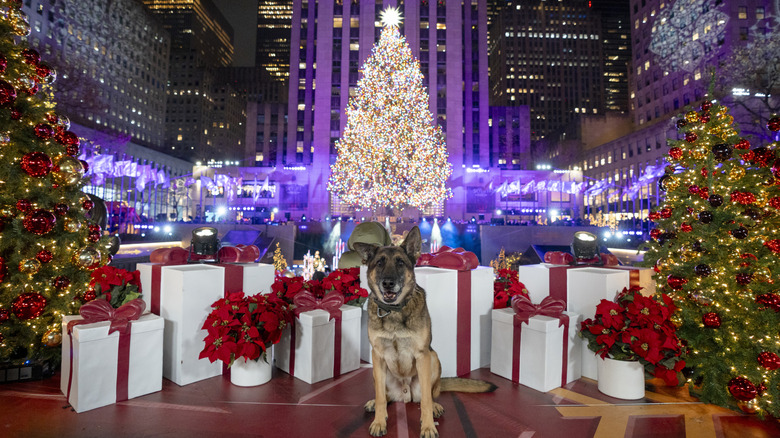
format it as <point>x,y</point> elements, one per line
<point>115,285</point>
<point>346,281</point>
<point>506,286</point>
<point>636,327</point>
<point>242,326</point>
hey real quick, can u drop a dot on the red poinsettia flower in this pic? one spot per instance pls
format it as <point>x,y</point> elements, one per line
<point>505,287</point>
<point>612,314</point>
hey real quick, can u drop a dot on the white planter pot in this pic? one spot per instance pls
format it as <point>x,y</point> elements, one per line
<point>250,372</point>
<point>621,379</point>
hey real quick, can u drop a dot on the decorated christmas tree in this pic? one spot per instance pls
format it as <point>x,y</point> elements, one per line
<point>391,153</point>
<point>716,249</point>
<point>47,246</point>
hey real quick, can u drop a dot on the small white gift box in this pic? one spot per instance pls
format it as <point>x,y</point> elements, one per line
<point>642,277</point>
<point>313,356</point>
<point>540,364</point>
<point>586,288</point>
<point>460,316</point>
<point>250,278</point>
<point>186,294</point>
<point>543,280</point>
<point>92,371</point>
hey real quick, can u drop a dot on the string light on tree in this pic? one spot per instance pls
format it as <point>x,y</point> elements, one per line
<point>391,153</point>
<point>713,251</point>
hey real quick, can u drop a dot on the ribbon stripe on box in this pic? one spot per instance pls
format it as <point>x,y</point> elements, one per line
<point>162,257</point>
<point>524,310</point>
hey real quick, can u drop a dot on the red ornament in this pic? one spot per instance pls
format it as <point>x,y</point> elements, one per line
<point>742,144</point>
<point>743,198</point>
<point>711,320</point>
<point>675,153</point>
<point>69,138</point>
<point>776,169</point>
<point>676,282</point>
<point>40,222</point>
<point>93,237</point>
<point>773,245</point>
<point>32,90</point>
<point>51,117</point>
<point>655,233</point>
<point>61,209</point>
<point>774,124</point>
<point>7,93</point>
<point>769,360</point>
<point>691,136</point>
<point>89,296</point>
<point>704,118</point>
<point>742,389</point>
<point>775,202</point>
<point>16,113</point>
<point>4,315</point>
<point>706,105</point>
<point>87,204</point>
<point>44,256</point>
<point>748,156</point>
<point>36,164</point>
<point>686,228</point>
<point>769,301</point>
<point>61,282</point>
<point>666,212</point>
<point>3,63</point>
<point>654,216</point>
<point>44,131</point>
<point>43,70</point>
<point>744,278</point>
<point>704,193</point>
<point>23,204</point>
<point>72,150</point>
<point>762,156</point>
<point>31,56</point>
<point>693,189</point>
<point>28,305</point>
<point>761,388</point>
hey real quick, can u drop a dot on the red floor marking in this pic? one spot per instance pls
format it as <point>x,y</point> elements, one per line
<point>329,386</point>
<point>159,405</point>
<point>401,424</point>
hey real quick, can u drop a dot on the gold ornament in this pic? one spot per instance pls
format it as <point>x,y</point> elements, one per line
<point>87,257</point>
<point>748,407</point>
<point>664,264</point>
<point>29,266</point>
<point>761,199</point>
<point>7,212</point>
<point>672,183</point>
<point>71,225</point>
<point>692,117</point>
<point>70,171</point>
<point>699,154</point>
<point>109,245</point>
<point>52,338</point>
<point>727,133</point>
<point>288,274</point>
<point>728,119</point>
<point>736,173</point>
<point>763,274</point>
<point>687,256</point>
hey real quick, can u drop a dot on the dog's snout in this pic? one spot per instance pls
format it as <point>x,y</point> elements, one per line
<point>388,283</point>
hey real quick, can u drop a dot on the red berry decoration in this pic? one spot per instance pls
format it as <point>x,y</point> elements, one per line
<point>40,222</point>
<point>686,228</point>
<point>691,137</point>
<point>742,144</point>
<point>666,212</point>
<point>769,360</point>
<point>676,282</point>
<point>655,233</point>
<point>44,256</point>
<point>742,389</point>
<point>23,204</point>
<point>36,164</point>
<point>7,93</point>
<point>61,282</point>
<point>774,124</point>
<point>711,320</point>
<point>769,301</point>
<point>4,315</point>
<point>675,153</point>
<point>87,204</point>
<point>44,131</point>
<point>773,245</point>
<point>28,305</point>
<point>31,56</point>
<point>61,209</point>
<point>706,105</point>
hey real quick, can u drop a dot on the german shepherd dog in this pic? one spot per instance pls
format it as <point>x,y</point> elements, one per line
<point>399,328</point>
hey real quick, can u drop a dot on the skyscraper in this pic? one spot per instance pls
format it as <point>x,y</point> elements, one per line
<point>616,42</point>
<point>274,19</point>
<point>331,39</point>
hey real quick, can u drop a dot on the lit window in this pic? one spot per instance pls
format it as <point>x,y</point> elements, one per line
<point>179,137</point>
<point>742,15</point>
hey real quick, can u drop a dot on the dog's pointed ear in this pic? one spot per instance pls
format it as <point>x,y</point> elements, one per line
<point>412,244</point>
<point>366,250</point>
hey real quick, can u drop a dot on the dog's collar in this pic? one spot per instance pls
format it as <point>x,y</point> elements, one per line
<point>388,307</point>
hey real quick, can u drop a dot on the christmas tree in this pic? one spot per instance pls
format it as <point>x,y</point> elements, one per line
<point>716,249</point>
<point>47,245</point>
<point>391,153</point>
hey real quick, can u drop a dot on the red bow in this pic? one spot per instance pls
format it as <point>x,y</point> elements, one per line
<point>101,310</point>
<point>450,258</point>
<point>525,309</point>
<point>558,258</point>
<point>305,301</point>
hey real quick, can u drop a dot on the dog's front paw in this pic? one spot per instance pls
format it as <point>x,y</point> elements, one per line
<point>438,410</point>
<point>378,428</point>
<point>429,432</point>
<point>369,406</point>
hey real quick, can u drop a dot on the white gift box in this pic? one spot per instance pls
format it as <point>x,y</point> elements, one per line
<point>543,280</point>
<point>541,349</point>
<point>92,371</point>
<point>315,333</point>
<point>586,288</point>
<point>365,345</point>
<point>441,290</point>
<point>251,278</point>
<point>642,277</point>
<point>187,293</point>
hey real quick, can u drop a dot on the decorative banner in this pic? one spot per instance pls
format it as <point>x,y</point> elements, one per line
<point>104,166</point>
<point>533,186</point>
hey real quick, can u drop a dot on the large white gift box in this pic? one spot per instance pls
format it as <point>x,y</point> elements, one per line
<point>586,287</point>
<point>186,294</point>
<point>313,354</point>
<point>91,366</point>
<point>642,277</point>
<point>543,280</point>
<point>365,345</point>
<point>460,319</point>
<point>540,363</point>
<point>250,278</point>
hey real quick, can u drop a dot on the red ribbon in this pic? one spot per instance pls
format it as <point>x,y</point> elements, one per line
<point>524,310</point>
<point>450,258</point>
<point>305,301</point>
<point>463,336</point>
<point>234,282</point>
<point>558,258</point>
<point>121,319</point>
